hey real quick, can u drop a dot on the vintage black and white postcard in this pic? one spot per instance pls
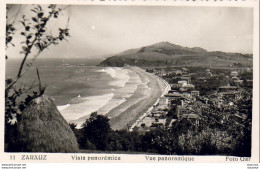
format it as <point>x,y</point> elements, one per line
<point>129,81</point>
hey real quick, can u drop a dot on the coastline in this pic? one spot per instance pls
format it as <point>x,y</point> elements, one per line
<point>166,90</point>
<point>128,117</point>
<point>124,106</point>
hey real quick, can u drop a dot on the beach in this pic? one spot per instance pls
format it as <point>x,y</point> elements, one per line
<point>142,99</point>
<point>123,94</point>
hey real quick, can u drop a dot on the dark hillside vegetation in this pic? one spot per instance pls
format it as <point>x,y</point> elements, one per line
<point>184,138</point>
<point>167,54</point>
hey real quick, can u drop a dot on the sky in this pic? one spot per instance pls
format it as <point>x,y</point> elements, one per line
<point>103,31</point>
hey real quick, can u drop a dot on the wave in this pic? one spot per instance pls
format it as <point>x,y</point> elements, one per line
<point>109,71</point>
<point>120,76</point>
<point>85,107</point>
<point>141,92</point>
<point>111,104</point>
<point>63,107</point>
<point>126,89</point>
<point>123,94</point>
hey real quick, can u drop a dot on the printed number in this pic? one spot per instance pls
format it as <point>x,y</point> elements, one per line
<point>12,157</point>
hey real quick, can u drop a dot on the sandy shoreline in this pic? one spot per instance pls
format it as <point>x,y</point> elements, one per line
<point>126,118</point>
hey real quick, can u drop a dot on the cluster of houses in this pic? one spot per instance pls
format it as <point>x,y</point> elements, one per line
<point>154,118</point>
<point>184,102</point>
<point>180,95</point>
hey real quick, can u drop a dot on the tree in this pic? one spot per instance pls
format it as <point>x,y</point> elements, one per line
<point>37,38</point>
<point>159,141</point>
<point>73,126</point>
<point>96,130</point>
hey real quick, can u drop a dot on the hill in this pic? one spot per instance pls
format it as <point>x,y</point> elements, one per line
<point>167,54</point>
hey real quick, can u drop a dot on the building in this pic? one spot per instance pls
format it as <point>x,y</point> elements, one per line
<point>202,78</point>
<point>204,100</point>
<point>142,129</point>
<point>249,83</point>
<point>217,102</point>
<point>174,86</point>
<point>189,87</point>
<point>162,108</point>
<point>227,88</point>
<point>184,70</point>
<point>230,94</point>
<point>249,69</point>
<point>147,121</point>
<point>186,78</point>
<point>195,93</point>
<point>186,95</point>
<point>173,96</point>
<point>172,91</point>
<point>238,82</point>
<point>160,121</point>
<point>182,83</point>
<point>233,73</point>
<point>191,116</point>
<point>156,115</point>
<point>178,72</point>
<point>235,78</point>
<point>208,73</point>
<point>157,125</point>
<point>163,101</point>
<point>172,121</point>
<point>182,110</point>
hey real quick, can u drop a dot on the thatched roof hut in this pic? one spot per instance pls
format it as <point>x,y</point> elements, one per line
<point>43,129</point>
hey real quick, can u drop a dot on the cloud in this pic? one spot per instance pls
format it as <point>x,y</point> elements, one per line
<point>98,31</point>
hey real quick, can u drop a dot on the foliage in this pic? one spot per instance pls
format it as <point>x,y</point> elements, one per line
<point>96,130</point>
<point>209,84</point>
<point>217,133</point>
<point>35,35</point>
<point>37,38</point>
<point>72,126</point>
<point>246,75</point>
<point>11,134</point>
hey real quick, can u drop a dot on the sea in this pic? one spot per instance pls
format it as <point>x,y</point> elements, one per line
<point>78,89</point>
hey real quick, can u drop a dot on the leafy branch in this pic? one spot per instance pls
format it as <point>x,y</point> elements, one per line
<point>36,40</point>
<point>35,36</point>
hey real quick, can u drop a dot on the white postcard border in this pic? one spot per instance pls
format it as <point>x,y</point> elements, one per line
<point>64,157</point>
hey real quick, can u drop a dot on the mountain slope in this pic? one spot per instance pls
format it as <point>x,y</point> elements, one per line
<point>167,54</point>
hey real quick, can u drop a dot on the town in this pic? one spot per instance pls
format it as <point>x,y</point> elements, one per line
<point>193,90</point>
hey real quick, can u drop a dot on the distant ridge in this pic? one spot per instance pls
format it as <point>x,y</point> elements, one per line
<point>168,54</point>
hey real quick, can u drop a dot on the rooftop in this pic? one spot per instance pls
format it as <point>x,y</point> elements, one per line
<point>190,116</point>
